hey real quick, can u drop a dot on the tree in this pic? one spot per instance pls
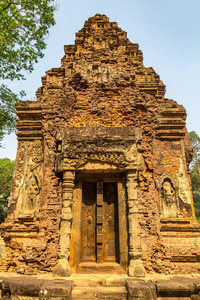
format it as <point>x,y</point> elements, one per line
<point>6,172</point>
<point>24,24</point>
<point>7,110</point>
<point>195,172</point>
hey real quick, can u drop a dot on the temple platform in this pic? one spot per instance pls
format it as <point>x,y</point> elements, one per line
<point>99,286</point>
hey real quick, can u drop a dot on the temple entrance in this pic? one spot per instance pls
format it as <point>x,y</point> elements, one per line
<point>99,242</point>
<point>99,222</point>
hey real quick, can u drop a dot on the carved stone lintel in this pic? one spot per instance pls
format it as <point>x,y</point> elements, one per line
<point>116,147</point>
<point>62,267</point>
<point>136,267</point>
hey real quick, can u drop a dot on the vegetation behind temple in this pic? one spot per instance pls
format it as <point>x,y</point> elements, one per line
<point>6,172</point>
<point>195,172</point>
<point>7,166</point>
<point>23,28</point>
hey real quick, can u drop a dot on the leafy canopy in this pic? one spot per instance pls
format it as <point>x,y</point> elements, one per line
<point>195,172</point>
<point>195,141</point>
<point>6,172</point>
<point>7,110</point>
<point>24,24</point>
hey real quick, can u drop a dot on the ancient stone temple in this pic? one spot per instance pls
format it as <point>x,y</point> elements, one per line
<point>101,180</point>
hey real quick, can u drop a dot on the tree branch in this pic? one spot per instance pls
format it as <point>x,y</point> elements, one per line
<point>8,6</point>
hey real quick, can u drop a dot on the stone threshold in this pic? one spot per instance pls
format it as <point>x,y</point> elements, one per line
<point>99,286</point>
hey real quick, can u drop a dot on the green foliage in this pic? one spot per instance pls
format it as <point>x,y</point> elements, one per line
<point>7,110</point>
<point>195,141</point>
<point>198,219</point>
<point>6,172</point>
<point>195,172</point>
<point>24,24</point>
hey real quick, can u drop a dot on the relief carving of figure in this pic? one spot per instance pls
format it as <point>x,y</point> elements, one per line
<point>168,189</point>
<point>29,205</point>
<point>168,193</point>
<point>32,192</point>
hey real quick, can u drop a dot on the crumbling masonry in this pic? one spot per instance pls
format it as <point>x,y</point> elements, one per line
<point>102,168</point>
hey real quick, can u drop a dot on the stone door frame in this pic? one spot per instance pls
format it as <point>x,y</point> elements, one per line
<point>99,150</point>
<point>75,248</point>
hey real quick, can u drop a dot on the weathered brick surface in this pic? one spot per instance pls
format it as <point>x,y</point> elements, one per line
<point>102,82</point>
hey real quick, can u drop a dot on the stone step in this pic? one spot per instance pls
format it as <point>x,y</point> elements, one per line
<point>99,280</point>
<point>94,293</point>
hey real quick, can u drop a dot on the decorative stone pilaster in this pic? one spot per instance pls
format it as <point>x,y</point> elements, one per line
<point>136,267</point>
<point>62,267</point>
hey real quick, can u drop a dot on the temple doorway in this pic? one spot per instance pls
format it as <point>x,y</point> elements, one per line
<point>99,226</point>
<point>99,222</point>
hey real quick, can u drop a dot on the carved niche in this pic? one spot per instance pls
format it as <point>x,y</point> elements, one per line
<point>168,189</point>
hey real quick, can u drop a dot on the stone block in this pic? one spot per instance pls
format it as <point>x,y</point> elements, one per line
<point>18,286</point>
<point>140,290</point>
<point>174,288</point>
<point>13,297</point>
<point>195,297</point>
<point>173,298</point>
<point>62,268</point>
<point>136,268</point>
<point>190,280</point>
<point>56,289</point>
<point>93,293</point>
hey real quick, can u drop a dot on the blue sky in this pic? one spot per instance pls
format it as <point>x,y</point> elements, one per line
<point>167,31</point>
